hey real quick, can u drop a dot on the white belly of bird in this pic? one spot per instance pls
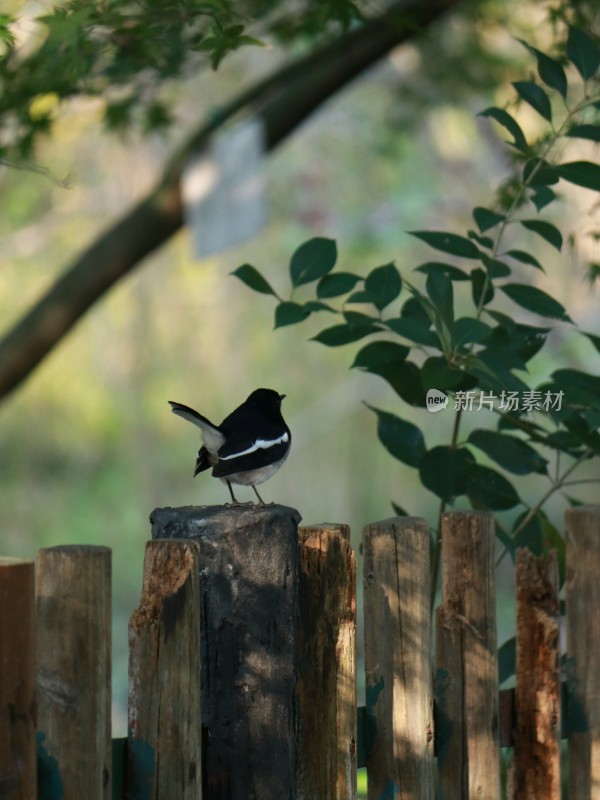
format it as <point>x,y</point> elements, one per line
<point>253,477</point>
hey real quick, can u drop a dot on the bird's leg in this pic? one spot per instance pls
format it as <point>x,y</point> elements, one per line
<point>261,501</point>
<point>233,500</point>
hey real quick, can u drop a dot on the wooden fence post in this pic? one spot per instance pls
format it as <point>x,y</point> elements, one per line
<point>326,685</point>
<point>583,653</point>
<point>165,742</point>
<point>537,735</point>
<point>73,609</point>
<point>249,561</point>
<point>17,680</point>
<point>467,666</point>
<point>399,703</point>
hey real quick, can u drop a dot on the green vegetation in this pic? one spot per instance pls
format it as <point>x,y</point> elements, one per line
<point>470,345</point>
<point>87,446</point>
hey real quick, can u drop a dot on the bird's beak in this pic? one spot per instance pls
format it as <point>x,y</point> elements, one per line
<point>281,396</point>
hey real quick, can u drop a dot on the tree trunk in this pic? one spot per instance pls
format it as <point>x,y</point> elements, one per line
<point>283,101</point>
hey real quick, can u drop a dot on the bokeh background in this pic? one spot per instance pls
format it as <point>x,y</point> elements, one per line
<point>87,445</point>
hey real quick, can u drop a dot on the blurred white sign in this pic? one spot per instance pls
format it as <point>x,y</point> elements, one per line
<point>223,190</point>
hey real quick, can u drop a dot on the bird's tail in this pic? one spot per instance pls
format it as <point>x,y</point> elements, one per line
<point>211,435</point>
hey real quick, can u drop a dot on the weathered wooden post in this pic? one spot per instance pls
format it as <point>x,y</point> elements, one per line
<point>17,680</point>
<point>249,567</point>
<point>467,731</point>
<point>165,741</point>
<point>583,650</point>
<point>326,686</point>
<point>399,707</point>
<point>73,609</point>
<point>537,735</point>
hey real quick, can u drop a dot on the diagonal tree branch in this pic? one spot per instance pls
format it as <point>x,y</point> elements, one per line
<point>283,101</point>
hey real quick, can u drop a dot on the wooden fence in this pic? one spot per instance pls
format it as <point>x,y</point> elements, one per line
<point>242,676</point>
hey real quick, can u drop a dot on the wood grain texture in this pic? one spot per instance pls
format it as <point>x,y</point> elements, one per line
<point>537,736</point>
<point>582,525</point>
<point>249,566</point>
<point>326,687</point>
<point>399,702</point>
<point>466,659</point>
<point>165,735</point>
<point>17,680</point>
<point>73,608</point>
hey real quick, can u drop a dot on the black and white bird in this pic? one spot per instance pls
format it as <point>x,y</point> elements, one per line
<point>249,446</point>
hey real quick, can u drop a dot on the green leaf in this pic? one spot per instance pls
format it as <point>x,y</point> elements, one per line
<point>593,338</point>
<point>524,258</point>
<point>509,452</point>
<point>565,442</point>
<point>448,243</point>
<point>437,374</point>
<point>537,172</point>
<point>252,278</point>
<point>405,379</point>
<point>591,132</point>
<point>502,319</point>
<point>343,334</point>
<point>413,309</point>
<point>512,126</point>
<point>524,340</point>
<point>378,354</point>
<point>485,218</point>
<point>444,470</point>
<point>6,34</point>
<point>315,305</point>
<point>356,318</point>
<point>546,230</point>
<point>542,196</point>
<point>415,330</point>
<point>488,489</point>
<point>535,96</point>
<point>478,281</point>
<point>469,329</point>
<point>536,300</point>
<point>312,260</point>
<point>439,289</point>
<point>336,284</point>
<point>289,314</point>
<point>484,241</point>
<point>549,70</point>
<point>583,52</point>
<point>571,380</point>
<point>454,273</point>
<point>492,375</point>
<point>494,267</point>
<point>581,173</point>
<point>400,438</point>
<point>383,284</point>
<point>360,297</point>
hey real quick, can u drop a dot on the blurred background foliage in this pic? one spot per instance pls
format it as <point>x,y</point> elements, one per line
<point>87,446</point>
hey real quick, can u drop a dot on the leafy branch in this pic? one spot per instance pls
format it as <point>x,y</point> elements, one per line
<point>434,356</point>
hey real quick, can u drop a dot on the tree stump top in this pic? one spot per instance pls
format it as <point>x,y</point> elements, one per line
<point>188,522</point>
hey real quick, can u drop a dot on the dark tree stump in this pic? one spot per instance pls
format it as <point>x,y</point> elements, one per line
<point>249,567</point>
